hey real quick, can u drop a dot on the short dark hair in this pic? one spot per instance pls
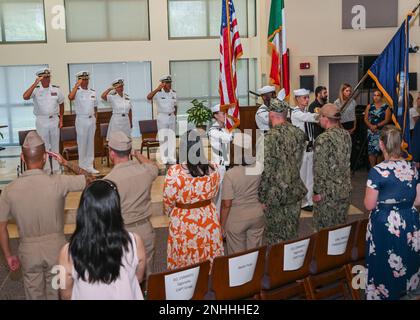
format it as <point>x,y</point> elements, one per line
<point>319,89</point>
<point>121,154</point>
<point>100,239</point>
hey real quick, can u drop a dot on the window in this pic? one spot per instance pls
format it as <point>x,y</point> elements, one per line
<point>199,79</point>
<point>204,18</point>
<point>22,21</point>
<point>16,113</point>
<point>107,20</point>
<point>137,77</point>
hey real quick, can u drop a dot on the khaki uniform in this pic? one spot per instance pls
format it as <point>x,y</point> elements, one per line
<point>245,223</point>
<point>134,182</point>
<point>36,202</point>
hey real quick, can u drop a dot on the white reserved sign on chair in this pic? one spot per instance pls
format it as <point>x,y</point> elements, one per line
<point>337,241</point>
<point>241,269</point>
<point>181,285</point>
<point>294,255</point>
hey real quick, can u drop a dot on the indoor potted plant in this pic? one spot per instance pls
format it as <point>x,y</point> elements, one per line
<point>199,114</point>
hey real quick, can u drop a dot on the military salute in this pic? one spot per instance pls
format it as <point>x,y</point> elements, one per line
<point>36,202</point>
<point>134,180</point>
<point>332,180</point>
<point>301,118</point>
<point>122,115</point>
<point>86,108</point>
<point>281,189</point>
<point>261,117</point>
<point>48,109</point>
<point>165,99</point>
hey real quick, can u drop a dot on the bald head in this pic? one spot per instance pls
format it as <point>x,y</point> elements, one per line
<point>33,151</point>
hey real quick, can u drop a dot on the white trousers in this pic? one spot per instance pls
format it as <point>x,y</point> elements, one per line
<point>167,137</point>
<point>49,131</point>
<point>85,128</point>
<point>307,175</point>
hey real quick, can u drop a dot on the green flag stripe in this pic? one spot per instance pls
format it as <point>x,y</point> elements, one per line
<point>275,17</point>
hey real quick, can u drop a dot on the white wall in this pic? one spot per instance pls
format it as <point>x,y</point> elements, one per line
<point>159,50</point>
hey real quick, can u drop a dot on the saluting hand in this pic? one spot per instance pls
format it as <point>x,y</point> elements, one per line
<point>161,85</point>
<point>13,262</point>
<point>38,79</point>
<point>58,157</point>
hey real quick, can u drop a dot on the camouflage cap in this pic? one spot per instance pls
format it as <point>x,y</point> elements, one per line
<point>278,106</point>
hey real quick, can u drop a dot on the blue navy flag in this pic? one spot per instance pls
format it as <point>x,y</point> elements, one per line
<point>390,72</point>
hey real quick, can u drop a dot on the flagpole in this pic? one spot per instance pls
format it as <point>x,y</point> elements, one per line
<point>343,108</point>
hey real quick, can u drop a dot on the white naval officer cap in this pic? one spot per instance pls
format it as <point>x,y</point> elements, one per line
<point>266,89</point>
<point>215,108</point>
<point>83,75</point>
<point>301,92</point>
<point>43,72</point>
<point>166,78</point>
<point>118,82</point>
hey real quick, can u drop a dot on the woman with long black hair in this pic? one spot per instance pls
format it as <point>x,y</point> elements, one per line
<point>102,260</point>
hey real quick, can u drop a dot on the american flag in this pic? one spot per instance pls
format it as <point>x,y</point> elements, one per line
<point>230,51</point>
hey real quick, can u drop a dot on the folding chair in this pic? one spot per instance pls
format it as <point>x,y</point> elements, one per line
<point>148,130</point>
<point>287,264</point>
<point>358,258</point>
<point>226,282</point>
<point>332,251</point>
<point>68,138</point>
<point>158,290</point>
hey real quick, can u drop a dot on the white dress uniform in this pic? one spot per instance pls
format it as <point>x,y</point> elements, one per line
<point>166,123</point>
<point>46,110</point>
<point>220,139</point>
<point>299,118</point>
<point>120,120</point>
<point>261,116</point>
<point>85,103</point>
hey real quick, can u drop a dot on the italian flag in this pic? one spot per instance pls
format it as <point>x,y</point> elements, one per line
<point>279,73</point>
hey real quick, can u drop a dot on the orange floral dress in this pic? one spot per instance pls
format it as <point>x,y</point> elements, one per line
<point>194,234</point>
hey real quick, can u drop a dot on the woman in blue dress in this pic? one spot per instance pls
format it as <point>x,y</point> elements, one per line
<point>377,115</point>
<point>393,232</point>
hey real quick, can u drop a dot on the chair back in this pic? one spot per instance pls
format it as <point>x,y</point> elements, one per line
<point>181,284</point>
<point>68,134</point>
<point>237,276</point>
<point>22,135</point>
<point>148,128</point>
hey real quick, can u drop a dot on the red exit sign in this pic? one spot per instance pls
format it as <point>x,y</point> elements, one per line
<point>305,65</point>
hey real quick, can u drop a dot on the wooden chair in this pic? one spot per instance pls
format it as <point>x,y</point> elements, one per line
<point>328,275</point>
<point>278,283</point>
<point>156,289</point>
<point>68,138</point>
<point>104,132</point>
<point>357,257</point>
<point>148,130</point>
<point>22,135</point>
<point>219,284</point>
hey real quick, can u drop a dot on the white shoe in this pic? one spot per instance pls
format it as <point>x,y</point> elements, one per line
<point>93,171</point>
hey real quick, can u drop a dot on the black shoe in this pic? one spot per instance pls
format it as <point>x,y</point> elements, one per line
<point>308,208</point>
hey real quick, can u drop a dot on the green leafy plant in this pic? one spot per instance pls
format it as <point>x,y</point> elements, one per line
<point>199,114</point>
